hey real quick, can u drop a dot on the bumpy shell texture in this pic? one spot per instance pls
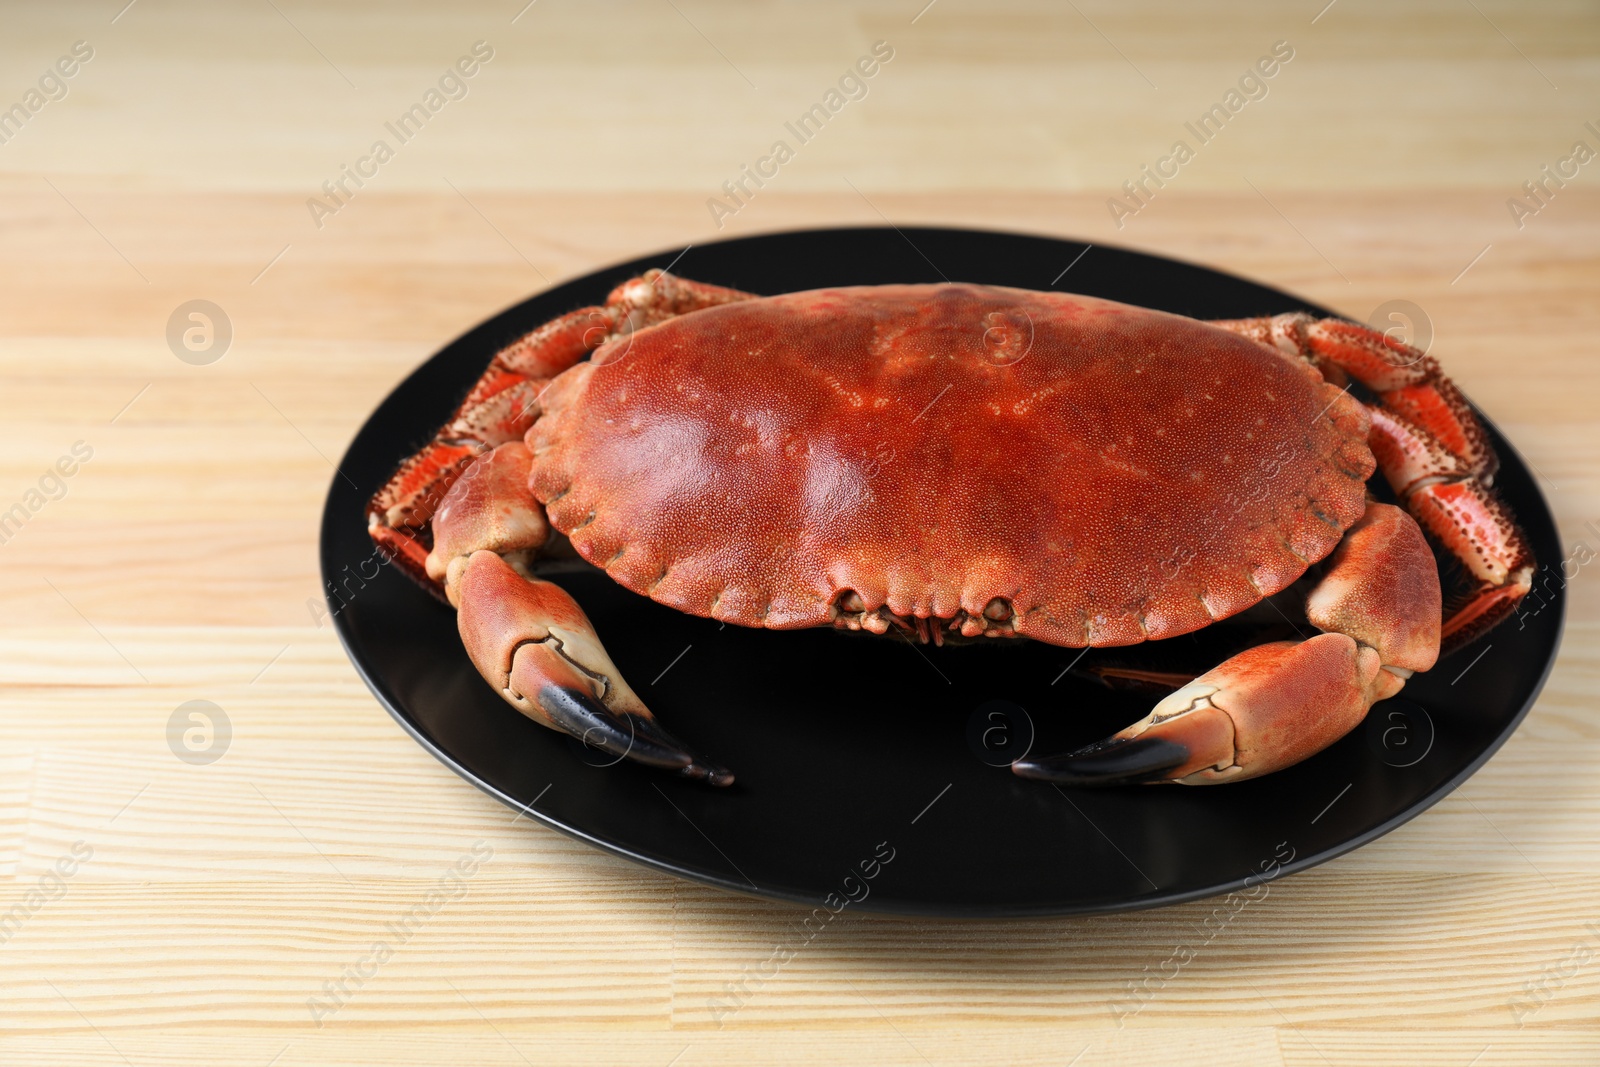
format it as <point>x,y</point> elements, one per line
<point>1115,474</point>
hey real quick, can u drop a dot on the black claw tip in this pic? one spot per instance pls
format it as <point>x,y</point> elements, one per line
<point>1112,762</point>
<point>710,773</point>
<point>584,717</point>
<point>624,734</point>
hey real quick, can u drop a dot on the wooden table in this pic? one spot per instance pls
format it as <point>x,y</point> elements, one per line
<point>207,904</point>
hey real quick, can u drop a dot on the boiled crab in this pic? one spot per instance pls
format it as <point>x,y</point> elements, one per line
<point>963,462</point>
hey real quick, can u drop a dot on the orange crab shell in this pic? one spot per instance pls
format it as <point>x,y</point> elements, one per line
<point>1109,473</point>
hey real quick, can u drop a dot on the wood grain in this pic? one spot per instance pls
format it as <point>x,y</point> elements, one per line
<point>218,901</point>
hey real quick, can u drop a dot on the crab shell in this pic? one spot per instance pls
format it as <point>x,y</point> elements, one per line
<point>1047,465</point>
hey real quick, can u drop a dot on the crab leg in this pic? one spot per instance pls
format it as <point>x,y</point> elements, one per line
<point>459,518</point>
<point>500,407</point>
<point>1276,704</point>
<point>1430,447</point>
<point>526,636</point>
<point>504,402</point>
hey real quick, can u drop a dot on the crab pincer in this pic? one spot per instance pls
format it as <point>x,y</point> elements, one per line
<point>527,636</point>
<point>1274,705</point>
<point>535,642</point>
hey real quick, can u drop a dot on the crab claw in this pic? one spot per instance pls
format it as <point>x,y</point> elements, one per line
<point>1264,709</point>
<point>534,644</point>
<point>1276,704</point>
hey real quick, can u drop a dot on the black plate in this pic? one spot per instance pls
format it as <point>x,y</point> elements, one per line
<point>850,750</point>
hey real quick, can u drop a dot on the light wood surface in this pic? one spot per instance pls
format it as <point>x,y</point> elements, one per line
<point>218,899</point>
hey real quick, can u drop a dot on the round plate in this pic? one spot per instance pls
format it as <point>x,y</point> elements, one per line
<point>866,767</point>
